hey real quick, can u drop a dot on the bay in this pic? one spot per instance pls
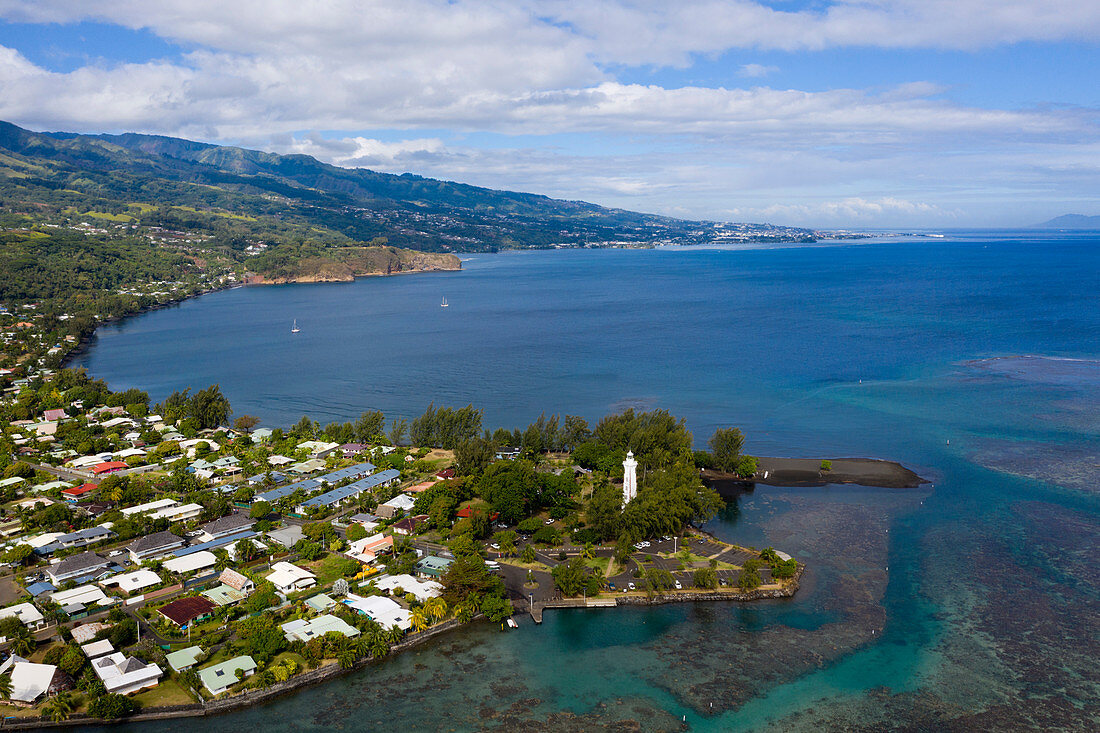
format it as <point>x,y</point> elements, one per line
<point>974,359</point>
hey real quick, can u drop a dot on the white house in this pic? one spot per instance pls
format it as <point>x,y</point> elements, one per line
<point>122,675</point>
<point>315,628</point>
<point>29,681</point>
<point>134,581</point>
<point>385,611</point>
<point>26,612</point>
<point>289,578</point>
<point>218,678</point>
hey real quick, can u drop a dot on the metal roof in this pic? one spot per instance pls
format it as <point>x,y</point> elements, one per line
<point>354,489</point>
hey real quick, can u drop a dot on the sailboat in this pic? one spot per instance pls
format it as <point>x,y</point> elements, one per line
<point>295,328</point>
<point>444,303</point>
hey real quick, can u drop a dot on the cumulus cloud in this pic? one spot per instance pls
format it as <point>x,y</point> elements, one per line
<point>266,74</point>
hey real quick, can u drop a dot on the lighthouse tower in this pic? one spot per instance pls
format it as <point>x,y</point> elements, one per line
<point>630,478</point>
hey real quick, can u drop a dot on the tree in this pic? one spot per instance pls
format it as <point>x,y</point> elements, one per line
<point>726,444</point>
<point>111,706</point>
<point>22,641</point>
<point>245,423</point>
<point>749,578</point>
<point>705,578</point>
<point>19,554</point>
<point>571,577</point>
<point>419,619</point>
<point>399,427</point>
<point>5,686</point>
<point>259,510</point>
<point>355,532</point>
<point>496,608</point>
<point>528,554</point>
<point>59,707</point>
<point>210,407</point>
<point>369,426</point>
<point>473,456</point>
<point>467,577</point>
<point>245,550</point>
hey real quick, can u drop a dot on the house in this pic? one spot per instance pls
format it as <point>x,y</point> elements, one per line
<point>409,525</point>
<point>277,460</point>
<point>40,588</point>
<point>237,581</point>
<point>184,658</point>
<point>261,435</point>
<point>180,513</point>
<point>384,611</point>
<point>151,506</point>
<point>134,582</point>
<point>58,414</point>
<point>82,595</point>
<point>184,611</point>
<point>352,449</point>
<point>123,675</point>
<point>287,536</point>
<point>108,467</point>
<point>223,595</point>
<point>315,628</point>
<point>468,511</point>
<point>97,648</point>
<point>508,453</point>
<point>29,681</point>
<point>191,563</point>
<point>79,538</point>
<point>276,478</point>
<point>225,526</point>
<point>30,616</point>
<point>74,567</point>
<point>368,549</point>
<point>218,678</point>
<point>397,505</point>
<point>73,493</point>
<point>320,602</point>
<point>422,589</point>
<point>272,496</point>
<point>318,448</point>
<point>432,566</point>
<point>446,473</point>
<point>289,578</point>
<point>313,464</point>
<point>153,546</point>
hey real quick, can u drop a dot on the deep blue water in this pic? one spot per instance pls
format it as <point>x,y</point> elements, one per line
<point>974,359</point>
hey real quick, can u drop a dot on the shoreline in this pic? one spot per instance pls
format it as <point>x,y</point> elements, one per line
<point>802,472</point>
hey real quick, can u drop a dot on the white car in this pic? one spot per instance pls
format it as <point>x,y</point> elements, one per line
<point>495,546</point>
<point>679,586</point>
<point>630,586</point>
<point>548,522</point>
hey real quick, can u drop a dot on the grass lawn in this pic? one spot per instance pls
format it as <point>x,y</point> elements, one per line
<point>168,692</point>
<point>598,563</point>
<point>516,562</point>
<point>327,569</point>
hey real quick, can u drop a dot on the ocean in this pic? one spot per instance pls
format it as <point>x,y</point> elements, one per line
<point>974,359</point>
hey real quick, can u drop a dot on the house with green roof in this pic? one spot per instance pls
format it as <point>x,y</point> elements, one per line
<point>184,658</point>
<point>218,678</point>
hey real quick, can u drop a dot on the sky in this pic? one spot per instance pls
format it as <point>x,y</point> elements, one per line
<point>823,113</point>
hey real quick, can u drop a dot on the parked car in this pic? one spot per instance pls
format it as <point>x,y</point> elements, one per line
<point>630,585</point>
<point>679,586</point>
<point>548,522</point>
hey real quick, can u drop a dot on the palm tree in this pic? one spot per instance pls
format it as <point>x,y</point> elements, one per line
<point>58,707</point>
<point>393,634</point>
<point>5,686</point>
<point>436,608</point>
<point>22,642</point>
<point>589,551</point>
<point>464,612</point>
<point>419,619</point>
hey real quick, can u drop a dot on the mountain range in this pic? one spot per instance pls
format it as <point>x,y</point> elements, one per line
<point>238,196</point>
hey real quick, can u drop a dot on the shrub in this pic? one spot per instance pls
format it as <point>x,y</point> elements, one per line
<point>826,465</point>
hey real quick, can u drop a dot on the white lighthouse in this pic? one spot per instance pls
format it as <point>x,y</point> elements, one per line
<point>630,478</point>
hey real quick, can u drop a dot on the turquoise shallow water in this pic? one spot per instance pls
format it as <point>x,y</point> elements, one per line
<point>975,359</point>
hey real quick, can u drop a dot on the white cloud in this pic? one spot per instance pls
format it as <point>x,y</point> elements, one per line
<point>265,74</point>
<point>756,71</point>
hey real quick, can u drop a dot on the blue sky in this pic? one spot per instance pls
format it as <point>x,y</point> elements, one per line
<point>869,113</point>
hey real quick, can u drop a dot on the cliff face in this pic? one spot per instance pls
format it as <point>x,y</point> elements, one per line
<point>347,263</point>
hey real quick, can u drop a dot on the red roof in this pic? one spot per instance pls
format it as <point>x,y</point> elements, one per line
<point>467,511</point>
<point>79,490</point>
<point>446,473</point>
<point>108,467</point>
<point>185,610</point>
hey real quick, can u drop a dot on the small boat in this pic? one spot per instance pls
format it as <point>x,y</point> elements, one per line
<point>444,303</point>
<point>294,328</point>
<point>512,624</point>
